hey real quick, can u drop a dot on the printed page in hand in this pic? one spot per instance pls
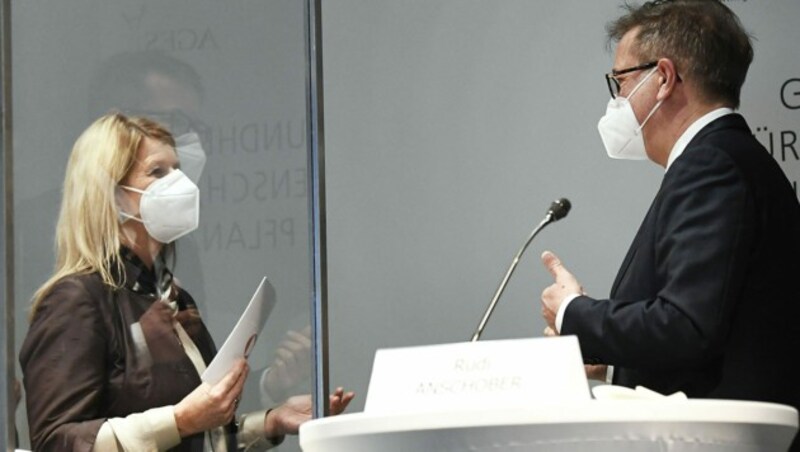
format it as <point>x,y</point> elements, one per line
<point>243,337</point>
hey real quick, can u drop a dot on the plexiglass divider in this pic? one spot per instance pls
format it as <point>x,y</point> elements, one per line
<point>237,74</point>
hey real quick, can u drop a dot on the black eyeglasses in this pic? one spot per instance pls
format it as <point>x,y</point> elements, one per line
<point>613,83</point>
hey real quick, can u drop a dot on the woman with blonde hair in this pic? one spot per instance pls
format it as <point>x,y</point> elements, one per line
<point>113,357</point>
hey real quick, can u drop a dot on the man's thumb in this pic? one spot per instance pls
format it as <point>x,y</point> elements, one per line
<point>553,264</point>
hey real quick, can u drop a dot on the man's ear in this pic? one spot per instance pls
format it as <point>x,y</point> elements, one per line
<point>667,78</point>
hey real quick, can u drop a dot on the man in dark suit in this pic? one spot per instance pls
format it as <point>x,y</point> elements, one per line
<point>707,300</point>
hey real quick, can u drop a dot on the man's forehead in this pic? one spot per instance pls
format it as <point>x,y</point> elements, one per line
<point>624,55</point>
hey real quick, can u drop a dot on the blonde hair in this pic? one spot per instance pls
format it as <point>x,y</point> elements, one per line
<point>88,229</point>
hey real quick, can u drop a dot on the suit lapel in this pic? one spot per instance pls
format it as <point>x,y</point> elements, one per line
<point>623,269</point>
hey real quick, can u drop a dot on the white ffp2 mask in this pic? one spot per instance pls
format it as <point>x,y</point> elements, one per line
<point>620,130</point>
<point>169,207</point>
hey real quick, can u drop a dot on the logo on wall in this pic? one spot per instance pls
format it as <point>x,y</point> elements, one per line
<point>790,94</point>
<point>783,145</point>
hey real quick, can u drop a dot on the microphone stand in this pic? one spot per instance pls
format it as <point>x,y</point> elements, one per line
<point>549,218</point>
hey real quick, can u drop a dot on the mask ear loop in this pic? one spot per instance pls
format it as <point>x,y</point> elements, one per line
<point>639,85</point>
<point>124,216</point>
<point>658,104</point>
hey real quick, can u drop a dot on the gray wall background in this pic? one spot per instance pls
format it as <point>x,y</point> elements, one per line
<point>450,127</point>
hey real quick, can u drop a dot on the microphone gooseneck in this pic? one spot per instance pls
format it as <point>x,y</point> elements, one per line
<point>558,210</point>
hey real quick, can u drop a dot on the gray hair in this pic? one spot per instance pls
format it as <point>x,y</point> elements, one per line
<point>704,39</point>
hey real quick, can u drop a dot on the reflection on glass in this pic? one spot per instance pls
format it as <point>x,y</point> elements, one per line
<point>233,73</point>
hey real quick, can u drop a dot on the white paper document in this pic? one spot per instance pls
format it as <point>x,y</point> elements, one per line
<point>243,337</point>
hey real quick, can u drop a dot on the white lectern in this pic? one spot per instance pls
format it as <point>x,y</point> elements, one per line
<point>481,397</point>
<point>591,426</point>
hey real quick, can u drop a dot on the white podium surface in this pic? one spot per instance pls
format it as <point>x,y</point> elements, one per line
<point>593,426</point>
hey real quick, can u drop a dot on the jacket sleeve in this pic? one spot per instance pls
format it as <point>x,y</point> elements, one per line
<point>154,429</point>
<point>703,233</point>
<point>64,359</point>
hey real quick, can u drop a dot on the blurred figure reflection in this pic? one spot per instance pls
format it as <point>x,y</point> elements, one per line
<point>169,90</point>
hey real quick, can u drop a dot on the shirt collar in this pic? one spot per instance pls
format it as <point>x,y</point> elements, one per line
<point>693,130</point>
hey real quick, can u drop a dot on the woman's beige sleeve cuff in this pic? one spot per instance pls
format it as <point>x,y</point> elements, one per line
<point>251,433</point>
<point>154,429</point>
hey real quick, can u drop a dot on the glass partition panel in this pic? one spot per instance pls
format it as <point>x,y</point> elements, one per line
<point>234,73</point>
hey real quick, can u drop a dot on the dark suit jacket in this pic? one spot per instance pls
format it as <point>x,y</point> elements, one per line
<point>707,300</point>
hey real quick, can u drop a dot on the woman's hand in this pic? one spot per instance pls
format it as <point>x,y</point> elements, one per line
<point>286,419</point>
<point>209,406</point>
<point>340,400</point>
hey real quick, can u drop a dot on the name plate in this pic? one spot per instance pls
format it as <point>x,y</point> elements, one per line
<point>499,374</point>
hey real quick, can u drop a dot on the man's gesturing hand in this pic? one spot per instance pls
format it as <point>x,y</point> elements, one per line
<point>565,284</point>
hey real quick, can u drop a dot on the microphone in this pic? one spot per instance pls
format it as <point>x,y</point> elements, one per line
<point>558,210</point>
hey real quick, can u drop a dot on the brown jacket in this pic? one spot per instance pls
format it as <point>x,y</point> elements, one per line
<point>94,352</point>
